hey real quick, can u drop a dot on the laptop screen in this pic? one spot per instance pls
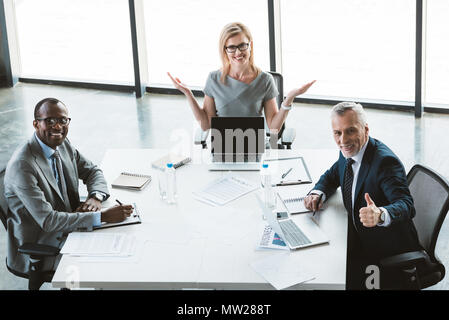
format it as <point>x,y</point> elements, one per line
<point>233,137</point>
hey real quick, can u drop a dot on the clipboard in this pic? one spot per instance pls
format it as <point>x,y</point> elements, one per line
<point>289,171</point>
<point>134,218</point>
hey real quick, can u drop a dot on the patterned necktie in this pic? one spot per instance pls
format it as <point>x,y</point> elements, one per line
<point>61,180</point>
<point>347,185</point>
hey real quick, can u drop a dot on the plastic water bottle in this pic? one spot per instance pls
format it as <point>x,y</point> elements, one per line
<point>170,174</point>
<point>269,196</point>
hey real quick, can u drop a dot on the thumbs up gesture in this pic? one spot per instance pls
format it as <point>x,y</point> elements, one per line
<point>369,215</point>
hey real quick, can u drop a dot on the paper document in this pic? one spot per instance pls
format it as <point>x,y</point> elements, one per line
<point>225,189</point>
<point>271,240</point>
<point>99,244</point>
<point>281,271</point>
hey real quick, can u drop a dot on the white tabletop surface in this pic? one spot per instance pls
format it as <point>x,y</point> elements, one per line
<point>194,245</point>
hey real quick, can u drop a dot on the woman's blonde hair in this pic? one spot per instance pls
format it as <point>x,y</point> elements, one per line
<point>230,30</point>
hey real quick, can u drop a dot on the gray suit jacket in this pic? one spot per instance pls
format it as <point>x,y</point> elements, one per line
<point>37,210</point>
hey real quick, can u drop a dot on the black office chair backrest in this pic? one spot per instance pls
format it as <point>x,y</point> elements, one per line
<point>3,203</point>
<point>430,192</point>
<point>279,81</point>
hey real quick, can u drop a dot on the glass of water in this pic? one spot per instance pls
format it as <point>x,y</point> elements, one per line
<point>162,184</point>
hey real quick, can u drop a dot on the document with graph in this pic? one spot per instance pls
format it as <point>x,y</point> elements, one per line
<point>271,240</point>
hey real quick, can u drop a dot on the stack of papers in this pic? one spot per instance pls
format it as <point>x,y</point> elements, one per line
<point>224,190</point>
<point>99,244</point>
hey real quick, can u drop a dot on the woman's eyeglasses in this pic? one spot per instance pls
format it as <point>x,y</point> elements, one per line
<point>242,47</point>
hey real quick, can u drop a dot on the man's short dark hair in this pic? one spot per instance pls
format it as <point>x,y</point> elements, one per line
<point>42,102</point>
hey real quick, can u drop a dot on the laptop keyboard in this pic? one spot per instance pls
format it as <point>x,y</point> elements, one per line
<point>295,237</point>
<point>240,158</point>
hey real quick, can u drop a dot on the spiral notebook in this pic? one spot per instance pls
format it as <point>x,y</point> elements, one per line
<point>132,181</point>
<point>294,204</point>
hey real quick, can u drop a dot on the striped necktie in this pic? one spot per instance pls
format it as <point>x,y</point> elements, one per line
<point>347,186</point>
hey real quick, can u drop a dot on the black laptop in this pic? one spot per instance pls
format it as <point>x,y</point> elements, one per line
<point>238,143</point>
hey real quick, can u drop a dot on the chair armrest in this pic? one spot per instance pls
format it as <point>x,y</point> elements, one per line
<point>403,260</point>
<point>200,136</point>
<point>34,249</point>
<point>288,136</point>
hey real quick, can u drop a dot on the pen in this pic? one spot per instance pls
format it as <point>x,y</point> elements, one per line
<point>289,183</point>
<point>285,174</point>
<point>134,215</point>
<point>318,204</point>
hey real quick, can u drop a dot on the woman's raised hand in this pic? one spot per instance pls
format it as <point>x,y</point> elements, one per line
<point>179,85</point>
<point>298,91</point>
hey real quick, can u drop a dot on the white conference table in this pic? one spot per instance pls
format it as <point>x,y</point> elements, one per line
<point>194,245</point>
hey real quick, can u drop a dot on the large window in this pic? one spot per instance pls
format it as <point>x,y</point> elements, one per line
<point>358,50</point>
<point>437,53</point>
<point>182,36</point>
<point>85,40</point>
<point>353,48</point>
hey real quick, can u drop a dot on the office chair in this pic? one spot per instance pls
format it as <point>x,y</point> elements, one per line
<point>37,252</point>
<point>430,192</point>
<point>287,134</point>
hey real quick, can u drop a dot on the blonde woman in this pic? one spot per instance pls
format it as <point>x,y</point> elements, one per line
<point>239,88</point>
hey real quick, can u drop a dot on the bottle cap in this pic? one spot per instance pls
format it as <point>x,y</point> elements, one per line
<point>169,165</point>
<point>265,165</point>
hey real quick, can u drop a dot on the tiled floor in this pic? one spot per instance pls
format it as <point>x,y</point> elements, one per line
<point>106,119</point>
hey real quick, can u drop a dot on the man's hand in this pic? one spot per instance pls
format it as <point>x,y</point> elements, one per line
<point>91,204</point>
<point>116,213</point>
<point>311,202</point>
<point>369,215</point>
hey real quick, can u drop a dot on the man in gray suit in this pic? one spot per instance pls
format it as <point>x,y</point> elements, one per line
<point>41,188</point>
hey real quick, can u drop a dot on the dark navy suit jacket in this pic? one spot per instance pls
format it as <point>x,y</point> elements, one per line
<point>383,176</point>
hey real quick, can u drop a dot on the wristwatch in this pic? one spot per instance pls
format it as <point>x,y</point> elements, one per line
<point>382,216</point>
<point>97,195</point>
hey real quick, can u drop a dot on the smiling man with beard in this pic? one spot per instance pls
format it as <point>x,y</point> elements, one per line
<point>41,188</point>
